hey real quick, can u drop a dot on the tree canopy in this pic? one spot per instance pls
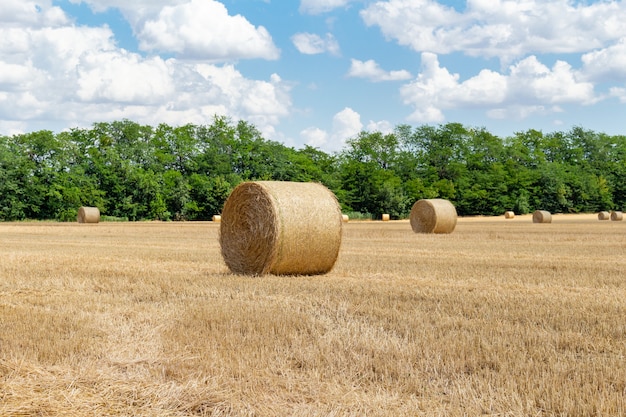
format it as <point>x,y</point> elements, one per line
<point>139,172</point>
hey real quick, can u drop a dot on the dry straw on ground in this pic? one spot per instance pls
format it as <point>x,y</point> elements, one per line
<point>142,319</point>
<point>282,228</point>
<point>88,215</point>
<point>217,218</point>
<point>604,215</point>
<point>385,217</point>
<point>542,216</point>
<point>509,215</point>
<point>433,216</point>
<point>617,216</point>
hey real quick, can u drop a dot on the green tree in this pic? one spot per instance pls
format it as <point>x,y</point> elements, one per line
<point>368,178</point>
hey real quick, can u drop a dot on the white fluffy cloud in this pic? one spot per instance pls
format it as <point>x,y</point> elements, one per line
<point>55,73</point>
<point>313,44</point>
<point>34,13</point>
<point>528,87</point>
<point>530,80</point>
<point>372,71</point>
<point>124,78</point>
<point>194,29</point>
<point>315,137</point>
<point>608,64</point>
<point>64,75</point>
<point>499,28</point>
<point>346,124</point>
<point>203,29</point>
<point>382,126</point>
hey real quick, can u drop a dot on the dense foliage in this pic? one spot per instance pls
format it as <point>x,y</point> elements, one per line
<point>186,173</point>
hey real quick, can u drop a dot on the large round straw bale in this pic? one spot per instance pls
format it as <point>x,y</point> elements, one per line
<point>433,216</point>
<point>617,216</point>
<point>385,217</point>
<point>88,215</point>
<point>282,228</point>
<point>509,214</point>
<point>216,218</point>
<point>345,218</point>
<point>604,215</point>
<point>542,216</point>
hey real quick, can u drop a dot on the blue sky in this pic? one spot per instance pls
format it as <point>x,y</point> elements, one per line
<point>314,72</point>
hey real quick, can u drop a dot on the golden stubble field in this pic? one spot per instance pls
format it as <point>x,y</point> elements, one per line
<point>501,317</point>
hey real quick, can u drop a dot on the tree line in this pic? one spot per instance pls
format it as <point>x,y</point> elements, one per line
<point>137,172</point>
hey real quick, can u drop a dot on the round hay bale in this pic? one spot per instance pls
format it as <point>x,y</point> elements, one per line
<point>385,217</point>
<point>88,215</point>
<point>542,216</point>
<point>282,228</point>
<point>345,218</point>
<point>216,218</point>
<point>509,215</point>
<point>617,216</point>
<point>433,216</point>
<point>604,215</point>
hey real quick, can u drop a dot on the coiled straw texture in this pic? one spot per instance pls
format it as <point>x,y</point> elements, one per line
<point>433,216</point>
<point>88,215</point>
<point>282,228</point>
<point>542,216</point>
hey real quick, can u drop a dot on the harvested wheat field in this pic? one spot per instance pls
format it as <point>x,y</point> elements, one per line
<point>501,317</point>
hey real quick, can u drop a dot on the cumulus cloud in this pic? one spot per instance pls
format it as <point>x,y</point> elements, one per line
<point>533,81</point>
<point>345,125</point>
<point>315,137</point>
<point>14,13</point>
<point>191,29</point>
<point>58,76</point>
<point>135,12</point>
<point>17,77</point>
<point>123,77</point>
<point>371,70</point>
<point>382,126</point>
<point>203,29</point>
<point>506,29</point>
<point>313,44</point>
<point>608,64</point>
<point>528,87</point>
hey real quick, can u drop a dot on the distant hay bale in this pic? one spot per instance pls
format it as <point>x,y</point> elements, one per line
<point>345,218</point>
<point>217,218</point>
<point>604,215</point>
<point>509,214</point>
<point>88,215</point>
<point>433,216</point>
<point>542,216</point>
<point>617,216</point>
<point>282,228</point>
<point>385,217</point>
